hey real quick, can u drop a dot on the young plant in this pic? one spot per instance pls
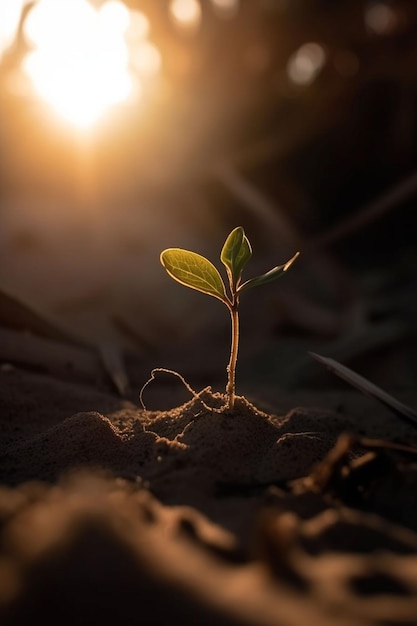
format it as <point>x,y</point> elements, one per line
<point>197,272</point>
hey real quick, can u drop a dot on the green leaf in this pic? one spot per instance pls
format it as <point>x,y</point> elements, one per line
<point>273,274</point>
<point>194,271</point>
<point>235,254</point>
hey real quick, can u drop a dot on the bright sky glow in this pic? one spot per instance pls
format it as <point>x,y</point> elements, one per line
<point>186,14</point>
<point>81,59</point>
<point>304,65</point>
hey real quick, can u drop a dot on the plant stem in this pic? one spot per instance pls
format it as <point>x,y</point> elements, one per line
<point>231,368</point>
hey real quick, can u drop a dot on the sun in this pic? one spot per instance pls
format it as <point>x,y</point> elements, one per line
<point>79,63</point>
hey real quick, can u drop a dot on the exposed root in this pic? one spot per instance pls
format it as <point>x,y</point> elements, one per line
<point>196,395</point>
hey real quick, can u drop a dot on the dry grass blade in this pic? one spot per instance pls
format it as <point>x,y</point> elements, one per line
<point>42,354</point>
<point>368,388</point>
<point>112,360</point>
<point>19,315</point>
<point>368,214</point>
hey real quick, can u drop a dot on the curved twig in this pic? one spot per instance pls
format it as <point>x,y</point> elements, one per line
<point>196,395</point>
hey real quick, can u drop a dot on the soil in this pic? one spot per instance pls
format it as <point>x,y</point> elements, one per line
<point>111,514</point>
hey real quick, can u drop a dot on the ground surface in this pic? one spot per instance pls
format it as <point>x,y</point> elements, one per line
<point>112,514</point>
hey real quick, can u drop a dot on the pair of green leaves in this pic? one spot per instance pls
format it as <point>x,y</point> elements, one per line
<point>197,272</point>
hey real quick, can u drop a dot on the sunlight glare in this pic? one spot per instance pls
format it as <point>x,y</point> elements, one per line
<point>10,11</point>
<point>80,61</point>
<point>56,24</point>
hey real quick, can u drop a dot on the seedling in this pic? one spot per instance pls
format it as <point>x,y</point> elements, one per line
<point>197,272</point>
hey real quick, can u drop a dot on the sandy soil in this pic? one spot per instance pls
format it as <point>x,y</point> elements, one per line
<point>113,515</point>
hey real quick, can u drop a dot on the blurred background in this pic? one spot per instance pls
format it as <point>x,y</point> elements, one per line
<point>129,127</point>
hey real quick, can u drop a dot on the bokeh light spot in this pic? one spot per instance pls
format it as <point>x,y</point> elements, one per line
<point>226,8</point>
<point>186,14</point>
<point>114,17</point>
<point>139,26</point>
<point>305,64</point>
<point>146,59</point>
<point>380,18</point>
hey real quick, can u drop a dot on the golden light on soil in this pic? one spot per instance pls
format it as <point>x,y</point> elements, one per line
<point>80,59</point>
